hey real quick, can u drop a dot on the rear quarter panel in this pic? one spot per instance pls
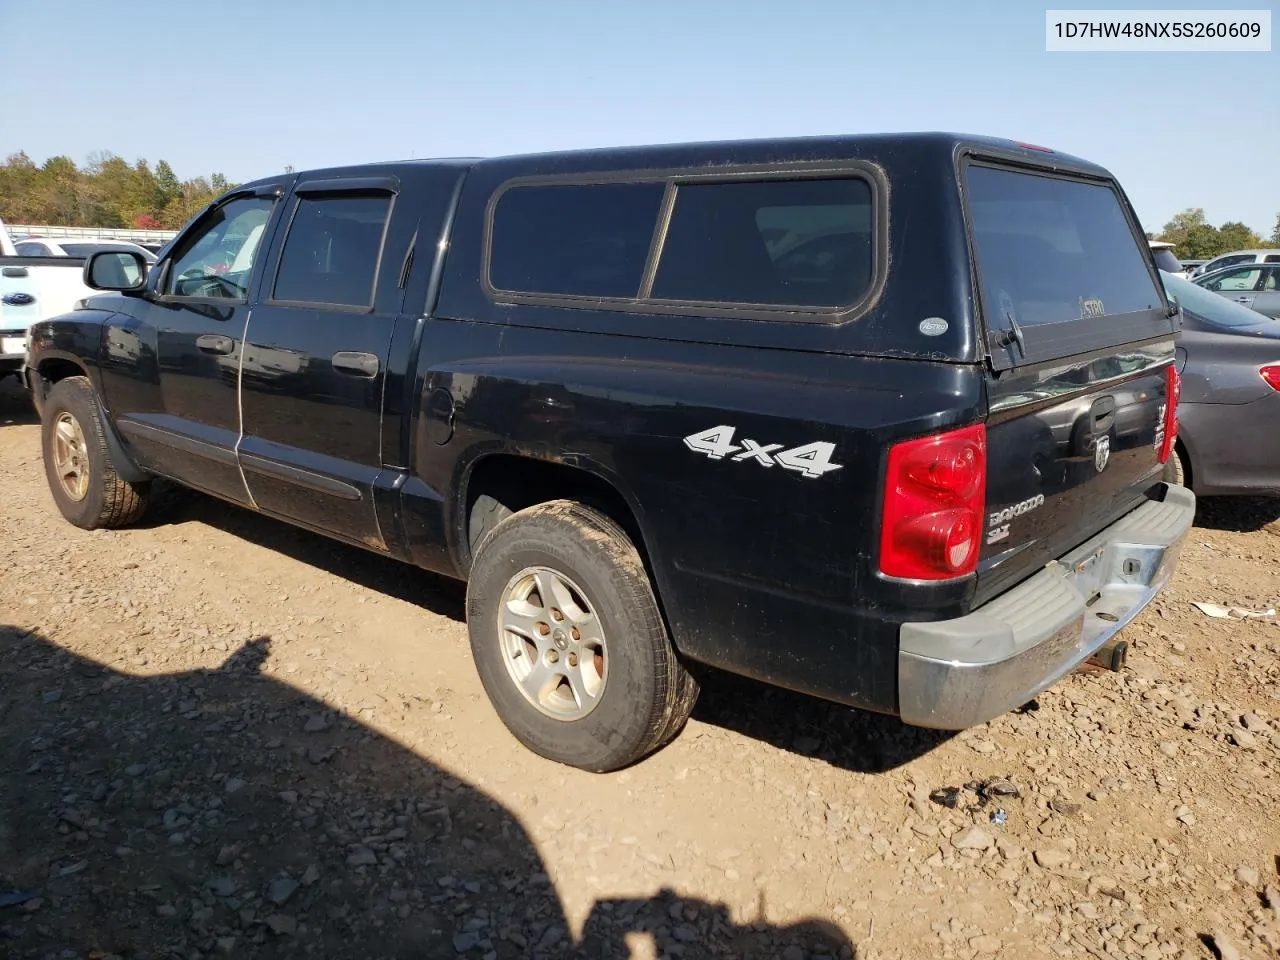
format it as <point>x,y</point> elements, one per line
<point>760,569</point>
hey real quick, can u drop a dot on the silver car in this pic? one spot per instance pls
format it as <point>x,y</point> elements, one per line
<point>1229,358</point>
<point>1256,286</point>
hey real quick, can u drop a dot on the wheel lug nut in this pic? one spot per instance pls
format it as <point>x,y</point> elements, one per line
<point>552,656</point>
<point>573,659</point>
<point>576,634</point>
<point>543,629</point>
<point>557,615</point>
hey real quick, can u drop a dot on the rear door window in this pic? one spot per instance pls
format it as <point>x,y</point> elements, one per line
<point>1055,256</point>
<point>331,253</point>
<point>1243,279</point>
<point>776,243</point>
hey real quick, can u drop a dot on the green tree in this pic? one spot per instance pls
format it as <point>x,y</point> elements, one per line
<point>1275,234</point>
<point>168,187</point>
<point>1192,236</point>
<point>1236,236</point>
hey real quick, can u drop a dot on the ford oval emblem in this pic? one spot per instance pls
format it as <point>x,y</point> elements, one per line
<point>18,299</point>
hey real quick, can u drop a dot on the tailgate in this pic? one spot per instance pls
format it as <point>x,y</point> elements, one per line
<point>1081,343</point>
<point>19,305</point>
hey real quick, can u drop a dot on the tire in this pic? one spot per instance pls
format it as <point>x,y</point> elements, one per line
<point>1175,468</point>
<point>486,513</point>
<point>104,499</point>
<point>642,693</point>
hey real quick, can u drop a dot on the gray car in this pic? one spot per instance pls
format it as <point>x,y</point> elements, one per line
<point>1256,286</point>
<point>1229,358</point>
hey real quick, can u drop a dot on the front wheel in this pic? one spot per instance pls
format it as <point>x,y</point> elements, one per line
<point>77,461</point>
<point>569,642</point>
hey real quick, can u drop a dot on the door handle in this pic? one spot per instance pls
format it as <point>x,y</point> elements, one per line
<point>355,364</point>
<point>215,343</point>
<point>1244,299</point>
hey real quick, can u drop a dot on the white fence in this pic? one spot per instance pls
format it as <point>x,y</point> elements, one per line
<point>18,231</point>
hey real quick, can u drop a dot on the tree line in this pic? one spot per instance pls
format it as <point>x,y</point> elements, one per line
<point>107,191</point>
<point>1194,238</point>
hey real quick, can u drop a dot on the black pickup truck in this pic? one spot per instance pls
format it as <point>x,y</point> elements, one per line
<point>879,418</point>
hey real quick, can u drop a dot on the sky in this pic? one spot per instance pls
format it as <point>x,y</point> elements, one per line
<point>246,88</point>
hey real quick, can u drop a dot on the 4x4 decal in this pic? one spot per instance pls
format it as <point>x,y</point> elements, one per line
<point>810,460</point>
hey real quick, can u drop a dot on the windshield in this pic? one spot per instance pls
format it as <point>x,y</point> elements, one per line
<point>1212,309</point>
<point>1165,260</point>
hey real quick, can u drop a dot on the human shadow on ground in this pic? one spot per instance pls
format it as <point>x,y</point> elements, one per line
<point>219,812</point>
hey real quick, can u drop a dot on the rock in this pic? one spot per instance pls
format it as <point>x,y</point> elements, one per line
<point>223,886</point>
<point>136,769</point>
<point>288,796</point>
<point>1226,949</point>
<point>281,890</point>
<point>1244,739</point>
<point>362,857</point>
<point>51,696</point>
<point>1052,858</point>
<point>1169,748</point>
<point>282,925</point>
<point>1247,875</point>
<point>986,944</point>
<point>166,910</point>
<point>311,875</point>
<point>1186,817</point>
<point>1253,723</point>
<point>32,905</point>
<point>226,946</point>
<point>975,838</point>
<point>793,953</point>
<point>686,933</point>
<point>462,942</point>
<point>984,746</point>
<point>227,853</point>
<point>316,723</point>
<point>234,785</point>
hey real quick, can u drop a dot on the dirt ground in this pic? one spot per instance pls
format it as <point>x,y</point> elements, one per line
<point>224,737</point>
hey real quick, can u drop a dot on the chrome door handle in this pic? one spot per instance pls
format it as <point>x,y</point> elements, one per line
<point>215,343</point>
<point>355,364</point>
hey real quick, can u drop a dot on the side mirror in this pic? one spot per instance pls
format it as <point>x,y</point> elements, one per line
<point>121,271</point>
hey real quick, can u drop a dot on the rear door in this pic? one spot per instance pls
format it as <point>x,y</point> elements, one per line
<point>1080,339</point>
<point>1241,285</point>
<point>1266,300</point>
<point>315,357</point>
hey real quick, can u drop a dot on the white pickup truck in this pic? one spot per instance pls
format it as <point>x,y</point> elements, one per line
<point>32,289</point>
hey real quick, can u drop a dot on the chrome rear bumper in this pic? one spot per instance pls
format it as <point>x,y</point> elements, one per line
<point>958,673</point>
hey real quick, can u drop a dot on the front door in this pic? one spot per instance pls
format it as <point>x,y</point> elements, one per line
<point>172,358</point>
<point>315,357</point>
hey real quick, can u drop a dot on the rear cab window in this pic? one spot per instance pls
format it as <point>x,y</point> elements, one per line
<point>1061,267</point>
<point>769,244</point>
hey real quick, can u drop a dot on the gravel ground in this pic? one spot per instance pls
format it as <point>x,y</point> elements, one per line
<point>224,737</point>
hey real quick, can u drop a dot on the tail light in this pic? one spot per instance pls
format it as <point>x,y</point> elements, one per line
<point>1172,392</point>
<point>1271,374</point>
<point>934,494</point>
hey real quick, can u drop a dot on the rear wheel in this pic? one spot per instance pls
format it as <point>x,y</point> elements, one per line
<point>568,639</point>
<point>77,461</point>
<point>1175,468</point>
